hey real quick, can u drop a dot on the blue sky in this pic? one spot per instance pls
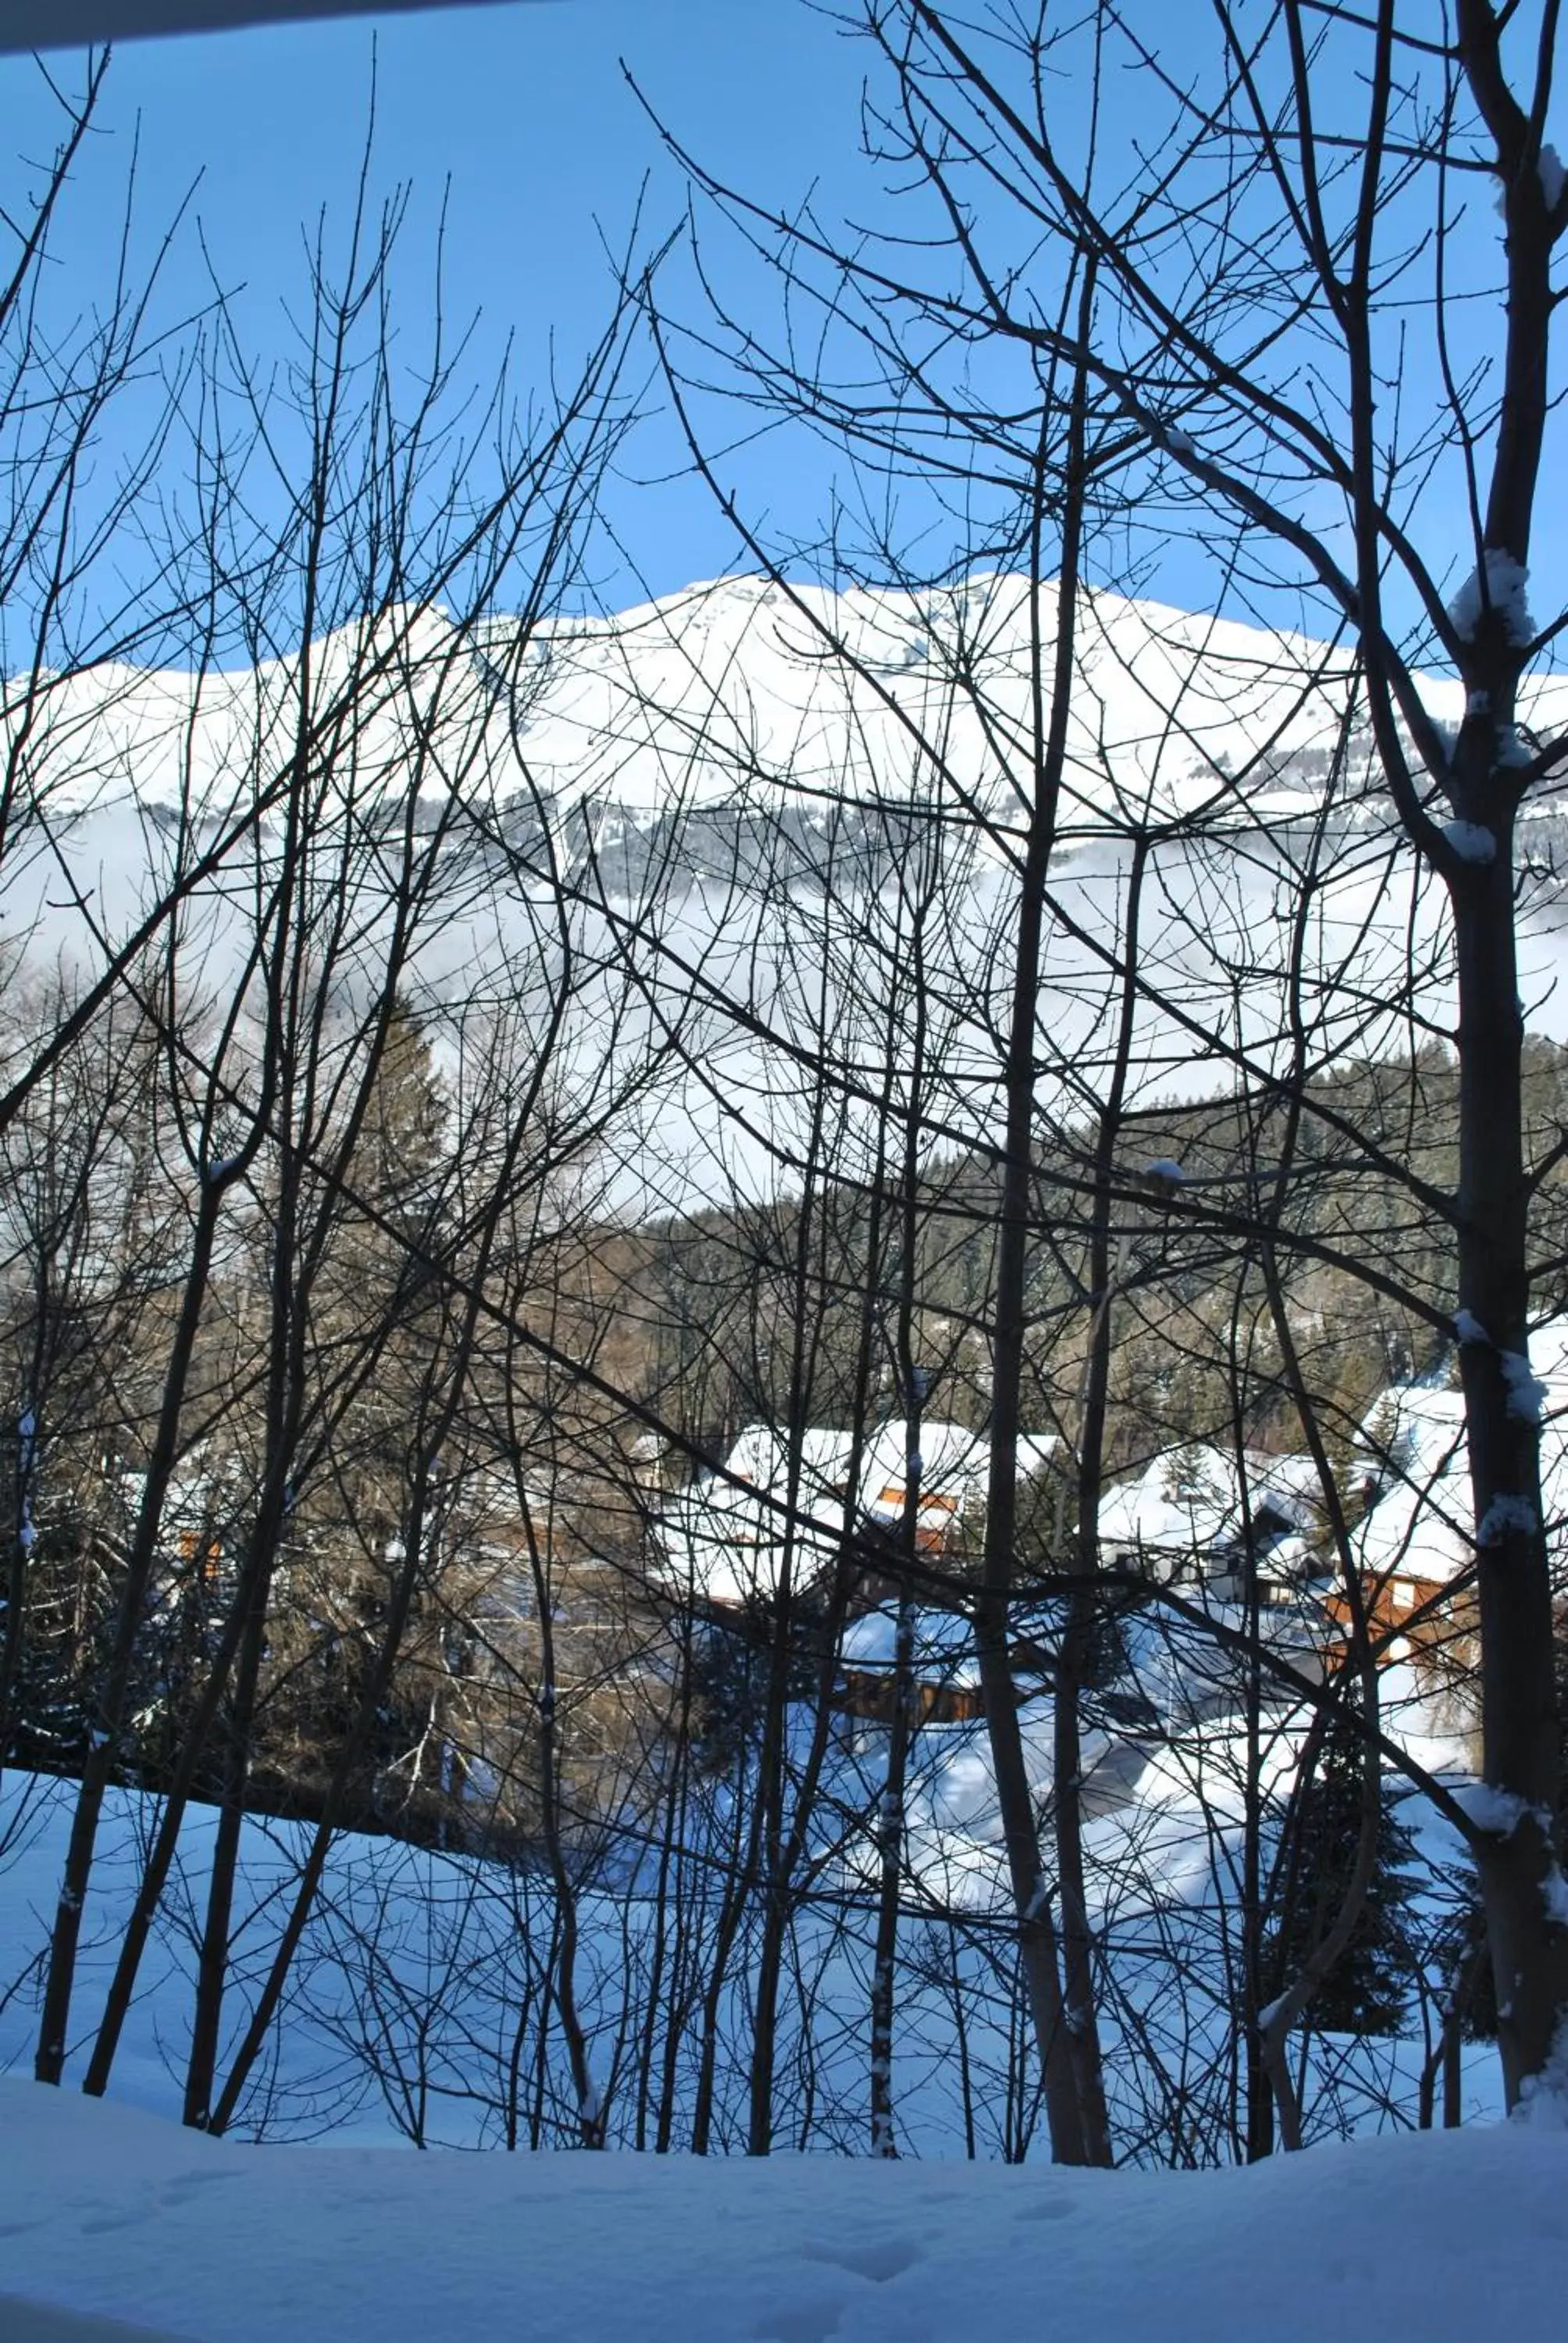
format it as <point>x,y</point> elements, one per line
<point>525,111</point>
<point>520,117</point>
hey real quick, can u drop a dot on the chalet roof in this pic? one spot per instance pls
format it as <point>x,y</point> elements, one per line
<point>944,1645</point>
<point>1419,1523</point>
<point>731,1537</point>
<point>945,1650</point>
<point>1190,1500</point>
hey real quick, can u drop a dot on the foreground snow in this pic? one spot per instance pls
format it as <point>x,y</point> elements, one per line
<point>113,2213</point>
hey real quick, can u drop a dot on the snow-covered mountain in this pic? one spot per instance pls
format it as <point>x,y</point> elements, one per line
<point>732,689</point>
<point>740,816</point>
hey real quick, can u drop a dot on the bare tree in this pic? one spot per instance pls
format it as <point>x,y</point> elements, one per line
<point>1234,350</point>
<point>319,825</point>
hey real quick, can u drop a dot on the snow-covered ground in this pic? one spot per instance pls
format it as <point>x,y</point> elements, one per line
<point>414,1989</point>
<point>422,2004</point>
<point>110,2212</point>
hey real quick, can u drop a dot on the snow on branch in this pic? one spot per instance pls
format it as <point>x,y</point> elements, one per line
<point>1499,585</point>
<point>1471,841</point>
<point>1527,1394</point>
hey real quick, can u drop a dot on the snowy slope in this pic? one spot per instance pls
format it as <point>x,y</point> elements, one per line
<point>731,689</point>
<point>1448,2237</point>
<point>706,806</point>
<point>421,1976</point>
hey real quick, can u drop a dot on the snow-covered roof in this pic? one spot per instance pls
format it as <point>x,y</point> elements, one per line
<point>731,1538</point>
<point>954,1466</point>
<point>1412,1427</point>
<point>1420,1523</point>
<point>943,1647</point>
<point>1190,1499</point>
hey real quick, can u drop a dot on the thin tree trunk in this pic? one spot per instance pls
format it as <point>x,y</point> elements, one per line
<point>891,1856</point>
<point>104,1749</point>
<point>1519,1712</point>
<point>211,1960</point>
<point>1038,1945</point>
<point>1082,1559</point>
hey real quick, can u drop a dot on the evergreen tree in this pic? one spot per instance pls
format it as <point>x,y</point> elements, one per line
<point>398,1162</point>
<point>1367,1991</point>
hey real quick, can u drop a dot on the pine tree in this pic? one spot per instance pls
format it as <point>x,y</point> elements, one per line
<point>398,1162</point>
<point>1367,1992</point>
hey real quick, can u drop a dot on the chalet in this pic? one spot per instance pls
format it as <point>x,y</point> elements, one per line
<point>770,1518</point>
<point>652,1459</point>
<point>1416,1535</point>
<point>944,1667</point>
<point>1197,1513</point>
<point>944,1662</point>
